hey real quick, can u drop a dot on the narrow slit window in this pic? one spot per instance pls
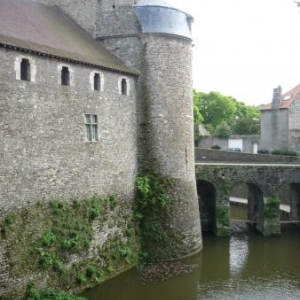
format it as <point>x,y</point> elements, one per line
<point>91,127</point>
<point>25,69</point>
<point>97,84</point>
<point>124,86</point>
<point>65,76</point>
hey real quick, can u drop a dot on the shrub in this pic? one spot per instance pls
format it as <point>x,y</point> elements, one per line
<point>35,294</point>
<point>216,147</point>
<point>263,151</point>
<point>284,152</point>
<point>222,130</point>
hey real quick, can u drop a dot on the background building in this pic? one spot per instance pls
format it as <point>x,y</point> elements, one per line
<point>280,121</point>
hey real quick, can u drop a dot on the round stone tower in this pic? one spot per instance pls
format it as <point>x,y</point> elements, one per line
<point>168,112</point>
<point>155,38</point>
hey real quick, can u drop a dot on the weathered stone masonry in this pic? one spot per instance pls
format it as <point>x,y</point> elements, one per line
<point>45,154</point>
<point>51,177</point>
<point>263,181</point>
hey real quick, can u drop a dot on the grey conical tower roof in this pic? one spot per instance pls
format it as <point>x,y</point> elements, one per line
<point>159,16</point>
<point>162,3</point>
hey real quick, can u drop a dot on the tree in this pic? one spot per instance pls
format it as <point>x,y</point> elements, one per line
<point>222,130</point>
<point>246,125</point>
<point>216,108</point>
<point>198,119</point>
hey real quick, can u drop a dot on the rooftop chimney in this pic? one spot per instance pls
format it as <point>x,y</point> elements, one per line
<point>276,97</point>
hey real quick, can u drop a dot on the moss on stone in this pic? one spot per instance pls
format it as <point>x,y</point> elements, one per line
<point>223,221</point>
<point>154,198</point>
<point>58,242</point>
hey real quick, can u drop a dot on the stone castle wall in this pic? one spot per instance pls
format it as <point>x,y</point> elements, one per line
<point>45,156</point>
<point>42,127</point>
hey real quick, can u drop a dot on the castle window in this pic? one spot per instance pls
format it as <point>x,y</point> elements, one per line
<point>65,76</point>
<point>25,69</point>
<point>97,82</point>
<point>91,127</point>
<point>124,86</point>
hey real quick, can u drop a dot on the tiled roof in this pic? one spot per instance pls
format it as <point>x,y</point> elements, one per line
<point>286,99</point>
<point>33,27</point>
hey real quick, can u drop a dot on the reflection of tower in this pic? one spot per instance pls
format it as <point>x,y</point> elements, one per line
<point>155,38</point>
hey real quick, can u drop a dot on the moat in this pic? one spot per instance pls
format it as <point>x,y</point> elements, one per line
<point>244,266</point>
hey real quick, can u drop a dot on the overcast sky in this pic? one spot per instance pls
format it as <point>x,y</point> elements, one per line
<point>245,48</point>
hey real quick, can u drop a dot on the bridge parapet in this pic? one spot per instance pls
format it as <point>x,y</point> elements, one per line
<point>203,155</point>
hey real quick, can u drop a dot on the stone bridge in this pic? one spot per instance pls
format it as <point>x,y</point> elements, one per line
<point>216,180</point>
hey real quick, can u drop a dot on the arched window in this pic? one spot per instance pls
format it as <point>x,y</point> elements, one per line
<point>124,86</point>
<point>97,82</point>
<point>25,69</point>
<point>65,76</point>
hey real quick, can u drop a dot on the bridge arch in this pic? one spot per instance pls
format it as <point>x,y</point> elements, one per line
<point>207,204</point>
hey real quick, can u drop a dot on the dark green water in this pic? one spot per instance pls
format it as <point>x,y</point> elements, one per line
<point>242,267</point>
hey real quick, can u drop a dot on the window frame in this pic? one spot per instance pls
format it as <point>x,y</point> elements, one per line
<point>100,80</point>
<point>124,90</point>
<point>32,70</point>
<point>91,128</point>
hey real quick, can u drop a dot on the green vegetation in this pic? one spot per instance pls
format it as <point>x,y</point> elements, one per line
<point>35,294</point>
<point>215,109</point>
<point>71,231</point>
<point>284,152</point>
<point>271,208</point>
<point>216,147</point>
<point>263,151</point>
<point>153,196</point>
<point>198,119</point>
<point>8,222</point>
<point>222,130</point>
<point>222,215</point>
<point>60,239</point>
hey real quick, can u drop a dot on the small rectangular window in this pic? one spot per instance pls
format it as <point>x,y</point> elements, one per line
<point>97,82</point>
<point>91,127</point>
<point>124,86</point>
<point>25,69</point>
<point>65,76</point>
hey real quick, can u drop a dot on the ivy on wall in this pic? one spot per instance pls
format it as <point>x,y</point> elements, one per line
<point>154,200</point>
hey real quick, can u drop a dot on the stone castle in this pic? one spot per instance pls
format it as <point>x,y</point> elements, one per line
<point>93,93</point>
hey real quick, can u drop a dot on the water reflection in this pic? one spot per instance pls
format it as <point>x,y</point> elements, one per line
<point>243,267</point>
<point>238,253</point>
